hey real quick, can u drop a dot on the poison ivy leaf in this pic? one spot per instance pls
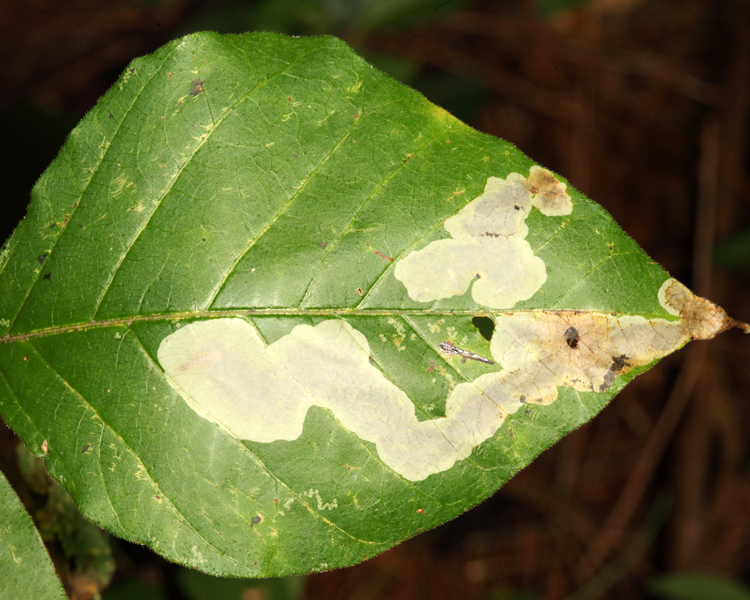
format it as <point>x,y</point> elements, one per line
<point>239,312</point>
<point>26,570</point>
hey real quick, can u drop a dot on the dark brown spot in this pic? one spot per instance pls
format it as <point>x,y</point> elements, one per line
<point>478,276</point>
<point>359,291</point>
<point>571,337</point>
<point>196,87</point>
<point>255,520</point>
<point>517,208</point>
<point>618,364</point>
<point>522,399</point>
<point>41,258</point>
<point>490,234</point>
<point>85,449</point>
<point>322,245</point>
<point>48,276</point>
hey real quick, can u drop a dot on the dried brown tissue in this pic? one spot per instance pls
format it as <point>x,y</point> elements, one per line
<point>702,318</point>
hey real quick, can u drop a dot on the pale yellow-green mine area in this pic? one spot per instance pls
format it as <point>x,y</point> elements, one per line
<point>262,393</point>
<point>488,245</point>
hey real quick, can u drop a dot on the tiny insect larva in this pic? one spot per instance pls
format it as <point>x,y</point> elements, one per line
<point>200,360</point>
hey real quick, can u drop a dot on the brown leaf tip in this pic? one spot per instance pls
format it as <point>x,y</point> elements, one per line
<point>702,318</point>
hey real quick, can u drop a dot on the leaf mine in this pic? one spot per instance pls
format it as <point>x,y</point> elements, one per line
<point>262,393</point>
<point>488,245</point>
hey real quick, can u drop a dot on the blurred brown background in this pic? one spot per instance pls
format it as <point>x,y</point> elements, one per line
<point>642,105</point>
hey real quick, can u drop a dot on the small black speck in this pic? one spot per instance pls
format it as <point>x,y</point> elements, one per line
<point>111,116</point>
<point>85,449</point>
<point>80,227</point>
<point>522,399</point>
<point>255,520</point>
<point>517,207</point>
<point>48,276</point>
<point>53,225</point>
<point>41,258</point>
<point>527,411</point>
<point>132,70</point>
<point>478,276</point>
<point>204,239</point>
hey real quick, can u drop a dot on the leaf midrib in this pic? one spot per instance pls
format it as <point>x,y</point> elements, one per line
<point>295,312</point>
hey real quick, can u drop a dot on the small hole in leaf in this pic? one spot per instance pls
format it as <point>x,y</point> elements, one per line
<point>485,325</point>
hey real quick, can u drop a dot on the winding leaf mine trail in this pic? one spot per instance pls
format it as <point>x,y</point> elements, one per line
<point>262,393</point>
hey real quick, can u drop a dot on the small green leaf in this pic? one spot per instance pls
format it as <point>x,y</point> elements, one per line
<point>240,313</point>
<point>694,586</point>
<point>26,570</point>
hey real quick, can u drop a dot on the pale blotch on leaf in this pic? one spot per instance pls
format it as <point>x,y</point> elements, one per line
<point>262,393</point>
<point>489,245</point>
<point>228,376</point>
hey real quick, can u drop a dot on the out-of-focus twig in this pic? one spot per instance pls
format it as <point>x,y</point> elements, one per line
<point>565,109</point>
<point>618,519</point>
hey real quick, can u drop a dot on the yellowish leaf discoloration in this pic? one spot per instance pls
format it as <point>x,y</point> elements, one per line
<point>488,245</point>
<point>262,393</point>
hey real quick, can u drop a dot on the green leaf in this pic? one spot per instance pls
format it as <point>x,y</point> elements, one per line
<point>83,543</point>
<point>26,570</point>
<point>197,586</point>
<point>239,313</point>
<point>694,586</point>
